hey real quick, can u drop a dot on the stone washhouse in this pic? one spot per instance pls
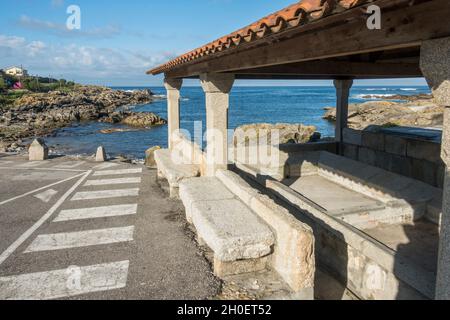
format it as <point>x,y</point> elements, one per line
<point>364,217</point>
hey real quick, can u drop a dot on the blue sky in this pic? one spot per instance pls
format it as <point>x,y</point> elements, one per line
<point>119,40</point>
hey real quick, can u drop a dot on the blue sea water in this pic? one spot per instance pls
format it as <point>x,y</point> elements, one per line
<point>247,105</point>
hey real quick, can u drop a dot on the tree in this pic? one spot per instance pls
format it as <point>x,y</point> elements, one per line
<point>31,84</point>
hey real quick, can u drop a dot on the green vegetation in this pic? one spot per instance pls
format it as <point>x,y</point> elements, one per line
<point>389,125</point>
<point>30,84</point>
<point>3,86</point>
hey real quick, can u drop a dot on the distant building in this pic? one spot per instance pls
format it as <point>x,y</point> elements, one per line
<point>16,71</point>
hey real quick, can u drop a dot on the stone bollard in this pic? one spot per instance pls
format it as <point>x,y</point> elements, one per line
<point>101,155</point>
<point>150,157</point>
<point>38,151</point>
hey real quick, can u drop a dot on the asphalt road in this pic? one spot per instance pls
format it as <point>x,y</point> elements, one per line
<point>76,229</point>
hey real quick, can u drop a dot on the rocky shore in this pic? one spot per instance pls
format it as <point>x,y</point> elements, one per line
<point>413,111</point>
<point>40,114</point>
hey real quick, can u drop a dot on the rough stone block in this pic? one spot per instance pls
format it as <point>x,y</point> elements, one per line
<point>100,156</point>
<point>373,140</point>
<point>223,268</point>
<point>401,165</point>
<point>383,160</point>
<point>351,151</point>
<point>38,151</point>
<point>440,176</point>
<point>367,156</point>
<point>293,256</point>
<point>424,171</point>
<point>174,173</point>
<point>202,189</point>
<point>395,145</point>
<point>424,150</point>
<point>352,136</point>
<point>232,230</point>
<point>237,185</point>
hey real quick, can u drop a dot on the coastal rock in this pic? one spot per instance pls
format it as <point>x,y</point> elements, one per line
<point>135,119</point>
<point>420,113</point>
<point>416,97</point>
<point>114,130</point>
<point>4,146</point>
<point>39,114</point>
<point>288,133</point>
<point>150,156</point>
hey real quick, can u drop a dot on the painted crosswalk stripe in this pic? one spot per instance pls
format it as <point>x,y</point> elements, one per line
<point>106,194</point>
<point>117,172</point>
<point>5,162</point>
<point>106,182</point>
<point>59,241</point>
<point>98,212</point>
<point>106,166</point>
<point>69,282</point>
<point>70,164</point>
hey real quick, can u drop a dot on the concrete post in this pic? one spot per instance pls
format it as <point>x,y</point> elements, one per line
<point>435,65</point>
<point>217,88</point>
<point>173,87</point>
<point>342,94</point>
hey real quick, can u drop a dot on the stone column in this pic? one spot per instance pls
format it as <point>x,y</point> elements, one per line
<point>342,94</point>
<point>217,88</point>
<point>435,65</point>
<point>173,87</point>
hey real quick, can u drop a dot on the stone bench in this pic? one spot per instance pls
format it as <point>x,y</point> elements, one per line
<point>374,251</point>
<point>249,232</point>
<point>405,200</point>
<point>356,193</point>
<point>172,171</point>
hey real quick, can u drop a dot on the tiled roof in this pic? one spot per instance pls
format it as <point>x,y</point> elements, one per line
<point>295,15</point>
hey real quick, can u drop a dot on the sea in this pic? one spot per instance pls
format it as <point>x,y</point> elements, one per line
<point>302,105</point>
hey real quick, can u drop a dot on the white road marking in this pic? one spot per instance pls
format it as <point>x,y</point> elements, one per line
<point>69,282</point>
<point>59,241</point>
<point>117,172</point>
<point>5,162</point>
<point>42,169</point>
<point>99,212</point>
<point>46,196</point>
<point>106,182</point>
<point>105,194</point>
<point>31,164</point>
<point>106,166</point>
<point>70,164</point>
<point>43,188</point>
<point>5,255</point>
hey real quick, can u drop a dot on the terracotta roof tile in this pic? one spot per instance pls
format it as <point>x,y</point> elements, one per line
<point>294,15</point>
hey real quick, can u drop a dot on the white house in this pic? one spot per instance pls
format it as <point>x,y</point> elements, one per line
<point>16,71</point>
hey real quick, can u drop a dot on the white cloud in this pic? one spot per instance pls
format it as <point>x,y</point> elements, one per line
<point>81,63</point>
<point>11,41</point>
<point>61,29</point>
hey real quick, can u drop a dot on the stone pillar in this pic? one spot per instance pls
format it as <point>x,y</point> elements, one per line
<point>342,94</point>
<point>173,87</point>
<point>435,65</point>
<point>217,88</point>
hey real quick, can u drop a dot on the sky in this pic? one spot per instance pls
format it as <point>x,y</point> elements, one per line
<point>119,40</point>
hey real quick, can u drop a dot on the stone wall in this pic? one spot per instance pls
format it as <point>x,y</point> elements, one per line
<point>411,157</point>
